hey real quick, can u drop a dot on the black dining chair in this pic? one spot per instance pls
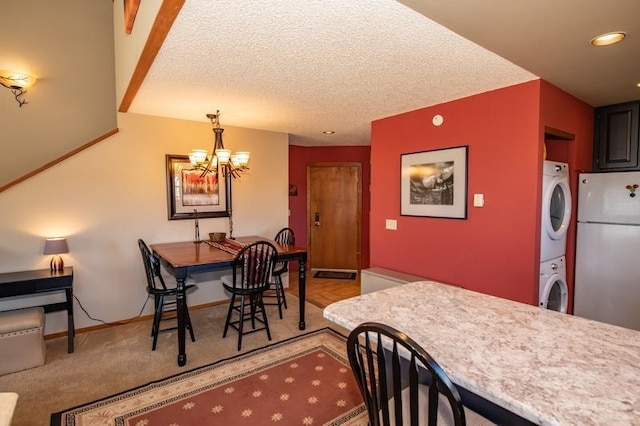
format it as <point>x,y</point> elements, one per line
<point>164,298</point>
<point>401,384</point>
<point>275,291</point>
<point>252,269</point>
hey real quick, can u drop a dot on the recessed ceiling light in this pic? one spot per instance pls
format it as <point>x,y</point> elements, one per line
<point>328,132</point>
<point>608,38</point>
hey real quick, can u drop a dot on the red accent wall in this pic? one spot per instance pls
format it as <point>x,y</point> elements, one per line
<point>562,111</point>
<point>496,250</point>
<point>299,158</point>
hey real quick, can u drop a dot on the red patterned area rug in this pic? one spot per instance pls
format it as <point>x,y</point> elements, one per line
<point>305,380</point>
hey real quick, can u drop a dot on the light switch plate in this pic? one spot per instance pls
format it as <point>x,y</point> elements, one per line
<point>392,224</point>
<point>478,200</point>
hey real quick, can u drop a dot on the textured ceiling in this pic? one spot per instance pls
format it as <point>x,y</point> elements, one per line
<point>306,67</point>
<point>551,38</point>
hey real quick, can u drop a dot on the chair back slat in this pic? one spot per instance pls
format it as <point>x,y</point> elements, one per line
<point>253,266</point>
<point>285,236</point>
<point>396,382</point>
<point>413,395</point>
<point>390,369</point>
<point>151,268</point>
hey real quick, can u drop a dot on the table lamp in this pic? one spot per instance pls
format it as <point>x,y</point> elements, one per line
<point>56,246</point>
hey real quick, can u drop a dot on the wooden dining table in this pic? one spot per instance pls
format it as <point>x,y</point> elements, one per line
<point>184,258</point>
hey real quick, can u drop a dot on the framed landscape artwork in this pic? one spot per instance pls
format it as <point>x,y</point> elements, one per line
<point>434,183</point>
<point>188,191</point>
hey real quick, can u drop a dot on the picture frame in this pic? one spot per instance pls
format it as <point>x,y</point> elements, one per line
<point>434,183</point>
<point>187,191</point>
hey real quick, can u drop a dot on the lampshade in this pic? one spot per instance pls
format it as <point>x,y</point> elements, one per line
<point>16,80</point>
<point>198,156</point>
<point>242,157</point>
<point>223,155</point>
<point>56,246</point>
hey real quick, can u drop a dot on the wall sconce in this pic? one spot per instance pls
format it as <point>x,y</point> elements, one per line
<point>56,246</point>
<point>18,83</point>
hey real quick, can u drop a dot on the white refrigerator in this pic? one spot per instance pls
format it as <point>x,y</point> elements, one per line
<point>607,279</point>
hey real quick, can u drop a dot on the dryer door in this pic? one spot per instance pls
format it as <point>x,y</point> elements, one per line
<point>556,208</point>
<point>554,295</point>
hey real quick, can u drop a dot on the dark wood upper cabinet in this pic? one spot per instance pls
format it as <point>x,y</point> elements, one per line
<point>616,137</point>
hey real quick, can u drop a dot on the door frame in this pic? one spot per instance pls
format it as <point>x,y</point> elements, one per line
<point>358,165</point>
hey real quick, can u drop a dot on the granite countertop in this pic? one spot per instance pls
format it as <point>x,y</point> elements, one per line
<point>548,367</point>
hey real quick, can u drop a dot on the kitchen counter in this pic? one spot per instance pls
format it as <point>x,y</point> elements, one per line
<point>547,367</point>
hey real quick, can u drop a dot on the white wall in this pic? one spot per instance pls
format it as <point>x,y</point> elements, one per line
<point>68,46</point>
<point>104,198</point>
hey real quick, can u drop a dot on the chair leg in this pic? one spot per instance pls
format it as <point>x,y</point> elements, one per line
<point>252,301</point>
<point>281,287</point>
<point>226,323</point>
<point>241,323</point>
<point>189,326</point>
<point>155,309</point>
<point>278,297</point>
<point>264,315</point>
<point>155,329</point>
<point>255,305</point>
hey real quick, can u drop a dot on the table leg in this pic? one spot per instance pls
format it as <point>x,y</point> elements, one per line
<point>302,288</point>
<point>71,329</point>
<point>181,306</point>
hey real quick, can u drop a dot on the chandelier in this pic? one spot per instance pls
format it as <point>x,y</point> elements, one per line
<point>221,160</point>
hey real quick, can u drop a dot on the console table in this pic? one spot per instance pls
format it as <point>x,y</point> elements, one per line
<point>43,281</point>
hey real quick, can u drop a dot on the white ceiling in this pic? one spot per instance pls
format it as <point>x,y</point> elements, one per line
<point>551,39</point>
<point>306,67</point>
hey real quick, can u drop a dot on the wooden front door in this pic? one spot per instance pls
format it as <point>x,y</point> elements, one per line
<point>334,206</point>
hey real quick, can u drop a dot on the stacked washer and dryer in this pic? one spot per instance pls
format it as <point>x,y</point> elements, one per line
<point>556,214</point>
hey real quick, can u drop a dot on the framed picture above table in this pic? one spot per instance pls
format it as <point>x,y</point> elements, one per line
<point>434,183</point>
<point>189,190</point>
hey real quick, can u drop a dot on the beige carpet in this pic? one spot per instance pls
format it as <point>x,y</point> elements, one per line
<point>119,358</point>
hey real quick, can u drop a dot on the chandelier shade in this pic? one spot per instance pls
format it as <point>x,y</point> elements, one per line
<point>198,156</point>
<point>220,160</point>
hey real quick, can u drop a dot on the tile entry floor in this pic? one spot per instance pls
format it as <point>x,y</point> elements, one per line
<point>323,291</point>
